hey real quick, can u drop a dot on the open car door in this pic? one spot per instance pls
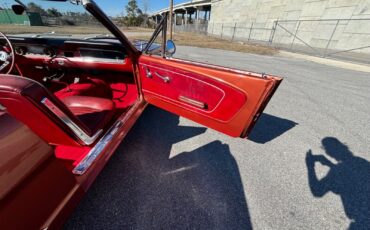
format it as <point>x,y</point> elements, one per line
<point>227,100</point>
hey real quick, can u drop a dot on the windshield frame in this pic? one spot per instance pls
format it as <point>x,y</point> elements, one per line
<point>100,15</point>
<point>95,11</point>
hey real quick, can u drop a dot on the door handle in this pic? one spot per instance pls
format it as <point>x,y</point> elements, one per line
<point>150,75</point>
<point>165,79</point>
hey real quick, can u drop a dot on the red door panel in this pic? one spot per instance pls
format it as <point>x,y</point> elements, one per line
<point>195,92</point>
<point>226,100</point>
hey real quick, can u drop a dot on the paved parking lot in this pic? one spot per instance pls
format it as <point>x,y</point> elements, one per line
<point>170,173</point>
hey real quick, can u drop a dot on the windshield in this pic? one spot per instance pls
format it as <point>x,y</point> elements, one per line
<point>46,18</point>
<point>64,19</point>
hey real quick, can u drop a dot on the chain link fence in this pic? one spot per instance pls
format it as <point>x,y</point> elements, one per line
<point>336,38</point>
<point>200,27</point>
<point>69,20</point>
<point>237,32</point>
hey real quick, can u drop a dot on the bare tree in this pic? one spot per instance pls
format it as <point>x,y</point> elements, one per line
<point>145,4</point>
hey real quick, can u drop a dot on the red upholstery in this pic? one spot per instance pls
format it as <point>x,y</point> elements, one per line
<point>94,112</point>
<point>23,99</point>
<point>89,87</point>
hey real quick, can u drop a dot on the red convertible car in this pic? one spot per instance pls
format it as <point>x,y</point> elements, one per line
<point>66,103</point>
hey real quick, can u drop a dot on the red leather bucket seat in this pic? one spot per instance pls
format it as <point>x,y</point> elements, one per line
<point>19,95</point>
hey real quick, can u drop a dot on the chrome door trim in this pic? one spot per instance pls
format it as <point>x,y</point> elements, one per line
<point>193,102</point>
<point>2,108</point>
<point>97,150</point>
<point>84,137</point>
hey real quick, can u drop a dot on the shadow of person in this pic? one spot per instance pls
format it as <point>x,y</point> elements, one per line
<point>269,127</point>
<point>349,178</point>
<point>145,187</point>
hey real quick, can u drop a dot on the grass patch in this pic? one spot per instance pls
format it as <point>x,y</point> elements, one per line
<point>20,29</point>
<point>189,39</point>
<point>184,39</point>
<point>202,41</point>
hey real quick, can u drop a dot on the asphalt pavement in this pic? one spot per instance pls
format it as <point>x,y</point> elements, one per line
<point>170,173</point>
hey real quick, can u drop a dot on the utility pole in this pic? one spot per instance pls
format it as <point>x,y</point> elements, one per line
<point>171,19</point>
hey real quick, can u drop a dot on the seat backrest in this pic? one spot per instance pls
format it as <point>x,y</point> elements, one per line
<point>32,104</point>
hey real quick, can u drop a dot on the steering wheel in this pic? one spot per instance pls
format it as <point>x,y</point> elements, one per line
<point>7,57</point>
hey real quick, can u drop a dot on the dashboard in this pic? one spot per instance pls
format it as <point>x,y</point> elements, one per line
<point>92,51</point>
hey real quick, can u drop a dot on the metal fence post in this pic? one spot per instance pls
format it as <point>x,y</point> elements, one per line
<point>295,34</point>
<point>331,37</point>
<point>232,39</point>
<point>250,32</point>
<point>272,35</point>
<point>222,30</point>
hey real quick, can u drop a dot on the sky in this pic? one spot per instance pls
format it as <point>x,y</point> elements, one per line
<point>111,7</point>
<point>154,5</point>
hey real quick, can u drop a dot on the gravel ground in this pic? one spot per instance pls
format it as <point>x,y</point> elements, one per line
<point>170,173</point>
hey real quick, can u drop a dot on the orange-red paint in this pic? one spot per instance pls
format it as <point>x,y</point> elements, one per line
<point>235,97</point>
<point>37,155</point>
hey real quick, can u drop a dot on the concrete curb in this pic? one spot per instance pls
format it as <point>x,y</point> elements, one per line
<point>325,61</point>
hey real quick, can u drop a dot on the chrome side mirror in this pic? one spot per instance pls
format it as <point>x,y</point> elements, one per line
<point>170,48</point>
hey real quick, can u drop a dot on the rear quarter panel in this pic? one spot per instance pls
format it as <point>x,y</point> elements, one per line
<point>34,187</point>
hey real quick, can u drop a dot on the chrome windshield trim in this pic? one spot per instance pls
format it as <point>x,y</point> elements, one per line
<point>97,150</point>
<point>84,137</point>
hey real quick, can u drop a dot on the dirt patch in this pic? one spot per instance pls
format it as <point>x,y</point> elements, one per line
<point>185,39</point>
<point>196,40</point>
<point>188,39</point>
<point>19,29</point>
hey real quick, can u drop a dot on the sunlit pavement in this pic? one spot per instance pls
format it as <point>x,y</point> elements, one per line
<point>170,173</point>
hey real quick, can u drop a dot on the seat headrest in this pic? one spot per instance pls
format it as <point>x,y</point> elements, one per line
<point>31,93</point>
<point>23,86</point>
<point>22,99</point>
<point>28,88</point>
<point>15,83</point>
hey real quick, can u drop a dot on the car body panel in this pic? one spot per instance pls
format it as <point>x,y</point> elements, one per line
<point>226,100</point>
<point>27,150</point>
<point>39,186</point>
<point>88,178</point>
<point>30,177</point>
<point>34,178</point>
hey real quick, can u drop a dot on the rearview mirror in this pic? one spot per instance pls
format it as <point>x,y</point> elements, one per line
<point>18,9</point>
<point>170,48</point>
